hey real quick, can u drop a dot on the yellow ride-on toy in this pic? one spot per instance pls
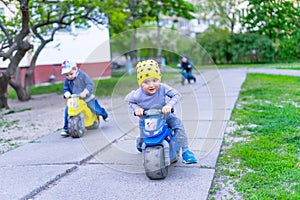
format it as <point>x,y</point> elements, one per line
<point>80,117</point>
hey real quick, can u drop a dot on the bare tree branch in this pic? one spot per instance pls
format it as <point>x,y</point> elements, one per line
<point>6,3</point>
<point>9,53</point>
<point>35,57</point>
<point>6,33</point>
<point>40,21</point>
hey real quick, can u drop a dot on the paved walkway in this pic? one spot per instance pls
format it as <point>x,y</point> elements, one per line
<point>104,164</point>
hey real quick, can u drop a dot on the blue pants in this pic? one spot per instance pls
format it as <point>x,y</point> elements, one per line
<point>176,124</point>
<point>188,75</point>
<point>95,108</point>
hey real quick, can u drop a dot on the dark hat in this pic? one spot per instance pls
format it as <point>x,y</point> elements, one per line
<point>185,56</point>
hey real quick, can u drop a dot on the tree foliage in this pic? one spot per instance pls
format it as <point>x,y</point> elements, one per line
<point>117,13</point>
<point>274,18</point>
<point>38,21</point>
<point>178,8</point>
<point>140,13</point>
<point>272,31</point>
<point>131,14</point>
<point>289,48</point>
<point>225,13</point>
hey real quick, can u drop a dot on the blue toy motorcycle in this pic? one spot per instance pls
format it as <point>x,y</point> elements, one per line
<point>157,144</point>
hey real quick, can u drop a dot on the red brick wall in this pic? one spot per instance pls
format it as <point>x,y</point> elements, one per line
<point>42,73</point>
<point>96,70</point>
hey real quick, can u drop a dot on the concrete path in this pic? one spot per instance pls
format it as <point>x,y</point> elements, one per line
<point>104,164</point>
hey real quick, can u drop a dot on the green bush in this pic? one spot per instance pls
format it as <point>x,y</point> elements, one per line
<point>216,41</point>
<point>251,48</point>
<point>289,49</point>
<point>237,48</point>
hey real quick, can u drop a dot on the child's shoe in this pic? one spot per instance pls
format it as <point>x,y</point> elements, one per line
<point>105,119</point>
<point>138,144</point>
<point>189,157</point>
<point>64,133</point>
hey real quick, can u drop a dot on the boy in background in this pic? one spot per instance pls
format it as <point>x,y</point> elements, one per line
<point>186,67</point>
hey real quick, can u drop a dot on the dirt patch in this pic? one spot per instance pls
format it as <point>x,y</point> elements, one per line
<point>222,185</point>
<point>27,121</point>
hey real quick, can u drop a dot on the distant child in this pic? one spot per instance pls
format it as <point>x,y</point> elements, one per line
<point>78,82</point>
<point>186,67</point>
<point>152,92</point>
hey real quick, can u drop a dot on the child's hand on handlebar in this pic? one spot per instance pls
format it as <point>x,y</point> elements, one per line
<point>166,109</point>
<point>67,95</point>
<point>139,112</point>
<point>84,93</point>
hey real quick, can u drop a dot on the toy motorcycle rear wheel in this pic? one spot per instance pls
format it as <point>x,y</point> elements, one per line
<point>95,125</point>
<point>76,127</point>
<point>154,163</point>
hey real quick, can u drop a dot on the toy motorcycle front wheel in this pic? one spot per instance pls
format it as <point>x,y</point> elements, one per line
<point>154,163</point>
<point>76,127</point>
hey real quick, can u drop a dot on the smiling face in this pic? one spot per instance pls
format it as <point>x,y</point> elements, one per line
<point>150,85</point>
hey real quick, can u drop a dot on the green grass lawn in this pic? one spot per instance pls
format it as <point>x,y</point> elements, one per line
<point>292,66</point>
<point>263,162</point>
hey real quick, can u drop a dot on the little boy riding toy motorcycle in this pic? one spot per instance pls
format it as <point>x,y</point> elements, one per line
<point>158,134</point>
<point>82,108</point>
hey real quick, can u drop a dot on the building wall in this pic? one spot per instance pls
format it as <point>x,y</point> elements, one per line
<point>89,48</point>
<point>43,73</point>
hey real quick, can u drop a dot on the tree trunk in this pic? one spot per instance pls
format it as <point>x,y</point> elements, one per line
<point>23,93</point>
<point>14,70</point>
<point>3,90</point>
<point>232,23</point>
<point>133,48</point>
<point>22,96</point>
<point>158,41</point>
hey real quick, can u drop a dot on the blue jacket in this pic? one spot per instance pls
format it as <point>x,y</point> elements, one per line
<point>81,82</point>
<point>184,66</point>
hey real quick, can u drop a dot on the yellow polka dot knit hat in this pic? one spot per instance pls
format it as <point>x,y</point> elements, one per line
<point>147,69</point>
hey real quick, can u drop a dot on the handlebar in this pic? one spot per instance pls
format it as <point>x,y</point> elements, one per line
<point>154,112</point>
<point>74,96</point>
